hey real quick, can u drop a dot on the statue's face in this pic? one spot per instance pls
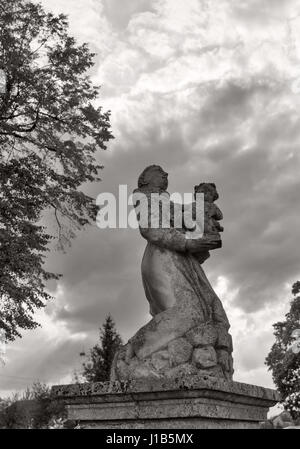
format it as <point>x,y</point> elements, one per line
<point>209,191</point>
<point>158,178</point>
<point>210,195</point>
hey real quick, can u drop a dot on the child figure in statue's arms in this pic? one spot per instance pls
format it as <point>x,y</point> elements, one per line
<point>212,214</point>
<point>210,217</point>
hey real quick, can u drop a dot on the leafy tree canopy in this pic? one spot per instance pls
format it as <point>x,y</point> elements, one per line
<point>50,131</point>
<point>282,361</point>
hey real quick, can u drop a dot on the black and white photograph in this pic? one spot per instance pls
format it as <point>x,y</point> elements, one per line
<point>150,218</point>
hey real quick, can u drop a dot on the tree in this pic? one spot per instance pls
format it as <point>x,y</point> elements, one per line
<point>98,366</point>
<point>35,408</point>
<point>283,361</point>
<point>50,131</point>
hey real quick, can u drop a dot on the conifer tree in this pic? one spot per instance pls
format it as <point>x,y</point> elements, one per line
<point>97,367</point>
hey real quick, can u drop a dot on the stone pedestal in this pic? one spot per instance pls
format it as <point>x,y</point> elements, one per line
<point>189,403</point>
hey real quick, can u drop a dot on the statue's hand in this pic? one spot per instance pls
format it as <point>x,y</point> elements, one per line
<point>203,244</point>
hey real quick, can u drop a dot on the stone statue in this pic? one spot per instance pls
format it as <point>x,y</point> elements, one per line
<point>188,332</point>
<point>212,213</point>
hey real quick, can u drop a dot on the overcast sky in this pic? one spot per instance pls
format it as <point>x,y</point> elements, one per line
<point>208,90</point>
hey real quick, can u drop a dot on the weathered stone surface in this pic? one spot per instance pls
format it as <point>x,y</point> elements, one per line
<point>143,371</point>
<point>176,352</point>
<point>188,383</point>
<point>205,357</point>
<point>224,340</point>
<point>161,360</point>
<point>211,373</point>
<point>223,359</point>
<point>122,369</point>
<point>189,402</point>
<point>226,362</point>
<point>203,335</point>
<point>181,371</point>
<point>180,351</point>
<point>169,325</point>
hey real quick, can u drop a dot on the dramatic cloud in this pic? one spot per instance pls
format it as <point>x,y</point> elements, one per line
<point>210,91</point>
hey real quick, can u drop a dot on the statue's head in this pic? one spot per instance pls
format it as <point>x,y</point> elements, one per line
<point>208,189</point>
<point>153,177</point>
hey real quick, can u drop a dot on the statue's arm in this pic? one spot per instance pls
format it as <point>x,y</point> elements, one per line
<point>165,237</point>
<point>175,240</point>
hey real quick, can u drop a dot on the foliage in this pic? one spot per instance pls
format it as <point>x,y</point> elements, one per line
<point>98,366</point>
<point>50,131</point>
<point>283,360</point>
<point>292,404</point>
<point>33,409</point>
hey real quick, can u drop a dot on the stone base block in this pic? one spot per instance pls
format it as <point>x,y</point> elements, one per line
<point>189,403</point>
